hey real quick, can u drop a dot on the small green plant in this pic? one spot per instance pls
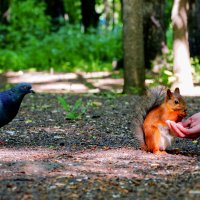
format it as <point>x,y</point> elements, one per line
<point>75,111</point>
<point>195,62</point>
<point>110,95</point>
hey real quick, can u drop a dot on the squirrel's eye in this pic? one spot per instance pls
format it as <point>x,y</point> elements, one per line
<point>176,101</point>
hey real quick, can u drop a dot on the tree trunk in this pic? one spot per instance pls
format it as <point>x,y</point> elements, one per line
<point>113,12</point>
<point>107,12</point>
<point>182,67</point>
<point>194,28</point>
<point>154,30</point>
<point>90,17</point>
<point>4,6</point>
<point>134,73</point>
<point>55,9</point>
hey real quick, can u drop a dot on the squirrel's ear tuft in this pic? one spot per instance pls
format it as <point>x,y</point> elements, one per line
<point>177,91</point>
<point>169,94</point>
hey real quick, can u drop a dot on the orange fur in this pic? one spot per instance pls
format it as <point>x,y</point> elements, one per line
<point>173,108</point>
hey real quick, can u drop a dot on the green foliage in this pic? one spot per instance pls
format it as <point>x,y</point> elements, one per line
<point>73,10</point>
<point>135,90</point>
<point>167,11</point>
<point>75,111</point>
<point>169,37</point>
<point>168,24</point>
<point>162,70</point>
<point>27,22</point>
<point>10,60</point>
<point>28,42</point>
<point>195,62</point>
<point>110,95</point>
<point>71,50</point>
<point>66,50</point>
<point>164,77</point>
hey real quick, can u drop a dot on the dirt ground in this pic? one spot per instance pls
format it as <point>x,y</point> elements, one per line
<point>46,156</point>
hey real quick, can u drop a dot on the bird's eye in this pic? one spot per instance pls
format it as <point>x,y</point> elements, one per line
<point>176,102</point>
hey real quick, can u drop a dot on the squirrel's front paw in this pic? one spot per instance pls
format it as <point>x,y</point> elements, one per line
<point>160,152</point>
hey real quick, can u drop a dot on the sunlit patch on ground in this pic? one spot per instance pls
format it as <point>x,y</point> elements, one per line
<point>80,82</point>
<point>46,156</point>
<point>116,162</point>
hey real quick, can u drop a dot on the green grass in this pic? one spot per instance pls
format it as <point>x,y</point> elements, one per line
<point>76,111</point>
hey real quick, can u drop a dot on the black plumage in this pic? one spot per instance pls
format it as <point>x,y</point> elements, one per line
<point>10,101</point>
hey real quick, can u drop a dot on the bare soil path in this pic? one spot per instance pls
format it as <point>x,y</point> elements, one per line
<point>46,156</point>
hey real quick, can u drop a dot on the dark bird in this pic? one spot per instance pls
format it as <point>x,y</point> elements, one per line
<point>10,101</point>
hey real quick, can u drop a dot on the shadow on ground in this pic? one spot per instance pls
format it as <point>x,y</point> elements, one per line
<point>46,156</point>
<point>105,162</point>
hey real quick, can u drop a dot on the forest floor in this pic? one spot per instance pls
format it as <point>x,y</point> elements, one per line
<point>46,156</point>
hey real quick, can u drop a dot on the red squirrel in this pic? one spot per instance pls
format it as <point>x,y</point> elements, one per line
<point>156,134</point>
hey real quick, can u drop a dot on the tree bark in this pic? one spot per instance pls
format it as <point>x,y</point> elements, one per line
<point>134,73</point>
<point>55,9</point>
<point>90,17</point>
<point>194,28</point>
<point>182,66</point>
<point>107,12</point>
<point>4,6</point>
<point>154,30</point>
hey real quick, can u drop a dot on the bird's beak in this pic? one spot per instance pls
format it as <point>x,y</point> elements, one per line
<point>32,91</point>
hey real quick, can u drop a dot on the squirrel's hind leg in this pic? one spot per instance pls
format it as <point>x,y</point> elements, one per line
<point>152,139</point>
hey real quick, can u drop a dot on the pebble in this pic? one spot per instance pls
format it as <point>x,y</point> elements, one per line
<point>11,133</point>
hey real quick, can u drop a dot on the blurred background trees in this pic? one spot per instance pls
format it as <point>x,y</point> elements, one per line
<point>182,67</point>
<point>65,35</point>
<point>87,35</point>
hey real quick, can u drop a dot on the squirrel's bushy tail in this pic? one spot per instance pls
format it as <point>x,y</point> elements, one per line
<point>153,98</point>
